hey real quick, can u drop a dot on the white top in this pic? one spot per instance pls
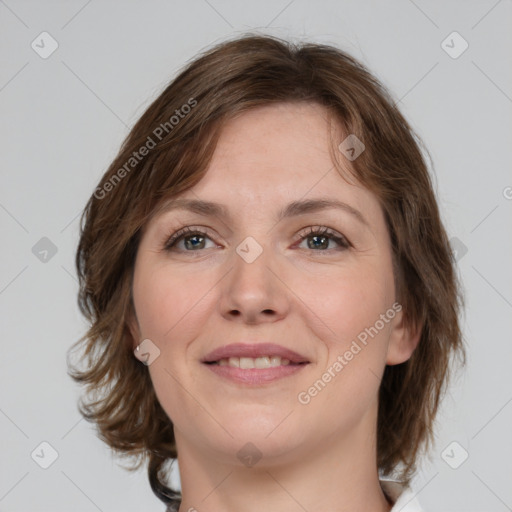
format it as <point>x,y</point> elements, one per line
<point>404,498</point>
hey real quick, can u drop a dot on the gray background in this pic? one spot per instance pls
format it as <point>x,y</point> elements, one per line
<point>63,119</point>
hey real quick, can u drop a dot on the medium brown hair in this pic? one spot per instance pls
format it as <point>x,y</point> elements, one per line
<point>222,82</point>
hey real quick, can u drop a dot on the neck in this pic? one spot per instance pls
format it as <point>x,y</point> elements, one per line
<point>338,474</point>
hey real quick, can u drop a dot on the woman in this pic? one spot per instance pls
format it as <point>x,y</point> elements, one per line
<point>271,291</point>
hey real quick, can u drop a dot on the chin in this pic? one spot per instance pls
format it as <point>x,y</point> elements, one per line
<point>251,448</point>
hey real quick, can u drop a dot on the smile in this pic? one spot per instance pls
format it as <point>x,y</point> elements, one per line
<point>247,363</point>
<point>261,370</point>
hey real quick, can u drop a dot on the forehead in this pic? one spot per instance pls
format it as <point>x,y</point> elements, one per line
<point>276,154</point>
<point>284,136</point>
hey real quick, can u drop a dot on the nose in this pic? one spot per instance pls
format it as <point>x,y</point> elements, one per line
<point>253,291</point>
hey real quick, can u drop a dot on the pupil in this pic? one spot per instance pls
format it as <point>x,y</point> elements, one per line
<point>191,244</point>
<point>316,237</point>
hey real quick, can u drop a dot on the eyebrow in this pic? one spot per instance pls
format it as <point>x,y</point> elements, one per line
<point>293,209</point>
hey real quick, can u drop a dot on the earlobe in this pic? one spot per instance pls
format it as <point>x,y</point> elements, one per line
<point>403,340</point>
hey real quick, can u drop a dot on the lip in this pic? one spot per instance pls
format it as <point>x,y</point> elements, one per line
<point>254,350</point>
<point>254,376</point>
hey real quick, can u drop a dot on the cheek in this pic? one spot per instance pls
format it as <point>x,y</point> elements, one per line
<point>352,305</point>
<point>171,312</point>
<point>348,376</point>
<point>167,301</point>
<point>345,301</point>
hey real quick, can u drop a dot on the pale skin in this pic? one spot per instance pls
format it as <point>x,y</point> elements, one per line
<point>313,295</point>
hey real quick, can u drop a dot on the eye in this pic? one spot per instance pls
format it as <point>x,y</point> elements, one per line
<point>193,239</point>
<point>319,237</point>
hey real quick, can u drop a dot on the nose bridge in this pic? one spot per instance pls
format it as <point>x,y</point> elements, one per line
<point>252,290</point>
<point>250,273</point>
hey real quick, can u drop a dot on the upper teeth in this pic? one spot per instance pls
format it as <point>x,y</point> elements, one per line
<point>258,362</point>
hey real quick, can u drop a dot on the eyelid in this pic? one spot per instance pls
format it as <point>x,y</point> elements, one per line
<point>338,237</point>
<point>342,241</point>
<point>186,230</point>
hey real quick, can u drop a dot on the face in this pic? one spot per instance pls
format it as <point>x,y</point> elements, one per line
<point>317,281</point>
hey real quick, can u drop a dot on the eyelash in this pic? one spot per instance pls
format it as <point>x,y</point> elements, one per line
<point>313,231</point>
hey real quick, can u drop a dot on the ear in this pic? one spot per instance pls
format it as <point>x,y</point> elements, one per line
<point>403,340</point>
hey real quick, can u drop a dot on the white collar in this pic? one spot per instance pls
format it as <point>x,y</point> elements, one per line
<point>403,497</point>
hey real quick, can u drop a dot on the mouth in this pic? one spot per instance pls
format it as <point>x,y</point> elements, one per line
<point>255,364</point>
<point>248,363</point>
